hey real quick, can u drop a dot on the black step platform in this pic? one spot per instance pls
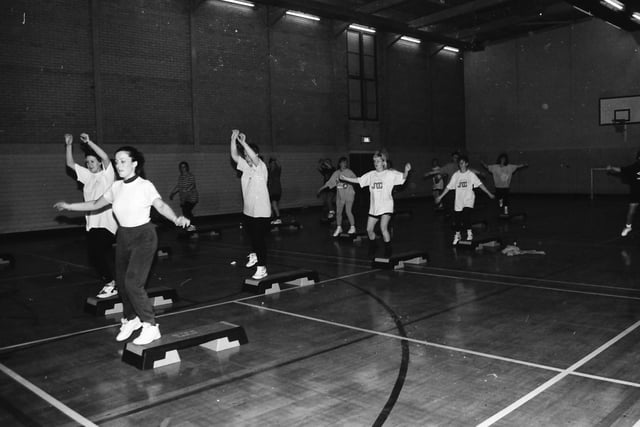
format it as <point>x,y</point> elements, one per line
<point>398,261</point>
<point>353,237</point>
<point>209,231</point>
<point>160,296</point>
<point>482,242</point>
<point>516,216</point>
<point>217,337</point>
<point>291,224</point>
<point>271,283</point>
<point>7,261</point>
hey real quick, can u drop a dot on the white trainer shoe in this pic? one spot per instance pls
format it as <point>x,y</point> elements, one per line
<point>469,235</point>
<point>128,327</point>
<point>261,273</point>
<point>108,290</point>
<point>456,238</point>
<point>352,230</point>
<point>149,333</point>
<point>253,260</point>
<point>626,230</point>
<point>337,232</point>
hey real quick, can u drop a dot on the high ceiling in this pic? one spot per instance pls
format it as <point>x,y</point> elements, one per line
<point>467,24</point>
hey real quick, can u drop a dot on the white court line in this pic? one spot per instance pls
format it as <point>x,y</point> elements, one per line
<point>47,397</point>
<point>548,384</point>
<point>518,285</point>
<point>533,279</point>
<point>440,346</point>
<point>188,310</point>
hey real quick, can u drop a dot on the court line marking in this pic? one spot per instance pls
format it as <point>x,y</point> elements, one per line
<point>534,279</point>
<point>75,416</point>
<point>442,346</point>
<point>187,310</point>
<point>519,285</point>
<point>549,383</point>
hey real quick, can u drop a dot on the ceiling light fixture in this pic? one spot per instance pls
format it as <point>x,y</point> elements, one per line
<point>410,39</point>
<point>240,2</point>
<point>451,49</point>
<point>635,16</point>
<point>302,15</point>
<point>586,12</point>
<point>613,4</point>
<point>362,28</point>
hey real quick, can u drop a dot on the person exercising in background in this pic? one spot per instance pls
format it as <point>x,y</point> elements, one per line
<point>97,177</point>
<point>631,175</point>
<point>502,173</point>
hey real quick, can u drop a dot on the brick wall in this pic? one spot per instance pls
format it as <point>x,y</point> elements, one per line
<point>174,83</point>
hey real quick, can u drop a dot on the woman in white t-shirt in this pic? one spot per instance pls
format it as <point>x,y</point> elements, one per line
<point>464,181</point>
<point>137,242</point>
<point>345,195</point>
<point>255,197</point>
<point>502,172</point>
<point>97,177</point>
<point>380,182</point>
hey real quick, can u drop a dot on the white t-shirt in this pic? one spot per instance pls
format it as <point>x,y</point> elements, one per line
<point>464,183</point>
<point>255,193</point>
<point>132,201</point>
<point>380,189</point>
<point>95,185</point>
<point>502,174</point>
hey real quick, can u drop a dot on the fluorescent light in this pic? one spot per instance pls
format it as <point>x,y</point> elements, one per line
<point>451,49</point>
<point>362,28</point>
<point>635,16</point>
<point>302,15</point>
<point>586,12</point>
<point>613,4</point>
<point>240,2</point>
<point>613,25</point>
<point>410,39</point>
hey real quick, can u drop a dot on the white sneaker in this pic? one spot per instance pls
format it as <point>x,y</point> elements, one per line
<point>261,273</point>
<point>352,230</point>
<point>626,230</point>
<point>469,235</point>
<point>191,228</point>
<point>506,210</point>
<point>149,333</point>
<point>127,328</point>
<point>108,290</point>
<point>456,238</point>
<point>337,232</point>
<point>253,260</point>
<point>276,221</point>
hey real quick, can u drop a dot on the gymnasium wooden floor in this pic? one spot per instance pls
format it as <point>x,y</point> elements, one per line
<point>471,338</point>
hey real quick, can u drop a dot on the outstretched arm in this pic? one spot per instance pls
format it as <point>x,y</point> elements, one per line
<point>441,196</point>
<point>347,179</point>
<point>234,147</point>
<point>166,211</point>
<point>407,169</point>
<point>484,165</point>
<point>104,158</point>
<point>89,206</point>
<point>242,139</point>
<point>68,140</point>
<point>524,165</point>
<point>489,193</point>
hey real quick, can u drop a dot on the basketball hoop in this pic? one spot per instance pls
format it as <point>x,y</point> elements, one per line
<point>620,125</point>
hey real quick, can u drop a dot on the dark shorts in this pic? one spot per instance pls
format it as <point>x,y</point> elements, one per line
<point>381,215</point>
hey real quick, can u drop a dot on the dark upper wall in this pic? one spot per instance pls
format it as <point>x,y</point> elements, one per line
<point>538,97</point>
<point>175,81</point>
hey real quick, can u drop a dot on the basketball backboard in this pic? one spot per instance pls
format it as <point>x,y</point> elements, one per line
<point>622,109</point>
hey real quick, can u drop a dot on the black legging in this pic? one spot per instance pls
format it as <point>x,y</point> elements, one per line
<point>187,209</point>
<point>462,219</point>
<point>503,194</point>
<point>100,250</point>
<point>257,229</point>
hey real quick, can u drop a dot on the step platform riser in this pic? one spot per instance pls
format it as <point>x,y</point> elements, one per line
<point>397,262</point>
<point>160,297</point>
<point>217,337</point>
<point>271,283</point>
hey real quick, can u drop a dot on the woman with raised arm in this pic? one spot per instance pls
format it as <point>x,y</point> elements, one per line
<point>97,177</point>
<point>380,182</point>
<point>136,240</point>
<point>255,196</point>
<point>502,172</point>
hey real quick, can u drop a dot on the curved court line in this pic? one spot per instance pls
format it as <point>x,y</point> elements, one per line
<point>47,397</point>
<point>443,346</point>
<point>549,383</point>
<point>518,285</point>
